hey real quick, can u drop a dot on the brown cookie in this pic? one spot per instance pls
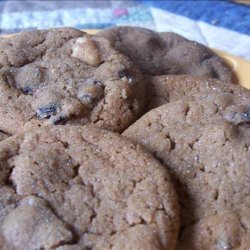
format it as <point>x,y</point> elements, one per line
<point>3,135</point>
<point>71,187</point>
<point>65,76</point>
<point>169,88</point>
<point>166,53</point>
<point>204,142</point>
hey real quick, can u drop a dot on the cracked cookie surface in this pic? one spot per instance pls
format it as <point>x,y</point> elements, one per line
<point>65,76</point>
<point>83,188</point>
<point>3,136</point>
<point>169,88</point>
<point>166,53</point>
<point>204,142</point>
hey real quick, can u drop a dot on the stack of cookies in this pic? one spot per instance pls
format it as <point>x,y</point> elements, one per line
<point>127,139</point>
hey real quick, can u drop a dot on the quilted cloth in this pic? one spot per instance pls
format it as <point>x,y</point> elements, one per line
<point>223,25</point>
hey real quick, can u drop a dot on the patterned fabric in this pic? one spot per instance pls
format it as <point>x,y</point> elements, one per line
<point>219,24</point>
<point>224,14</point>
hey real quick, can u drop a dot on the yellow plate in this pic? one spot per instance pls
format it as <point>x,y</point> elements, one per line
<point>239,66</point>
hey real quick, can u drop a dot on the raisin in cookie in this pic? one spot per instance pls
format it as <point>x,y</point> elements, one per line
<point>71,187</point>
<point>204,142</point>
<point>169,88</point>
<point>65,76</point>
<point>166,53</point>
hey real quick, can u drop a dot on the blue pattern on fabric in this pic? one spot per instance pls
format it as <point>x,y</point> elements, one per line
<point>220,13</point>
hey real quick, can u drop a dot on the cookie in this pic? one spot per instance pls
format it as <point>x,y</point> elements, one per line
<point>166,53</point>
<point>65,76</point>
<point>204,142</point>
<point>3,136</point>
<point>169,88</point>
<point>72,187</point>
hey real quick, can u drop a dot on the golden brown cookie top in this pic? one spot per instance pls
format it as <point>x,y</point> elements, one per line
<point>83,187</point>
<point>3,135</point>
<point>168,88</point>
<point>166,53</point>
<point>65,76</point>
<point>204,142</point>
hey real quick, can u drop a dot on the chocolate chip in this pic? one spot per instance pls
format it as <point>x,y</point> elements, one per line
<point>27,90</point>
<point>60,119</point>
<point>46,112</point>
<point>97,82</point>
<point>206,56</point>
<point>125,75</point>
<point>122,73</point>
<point>246,116</point>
